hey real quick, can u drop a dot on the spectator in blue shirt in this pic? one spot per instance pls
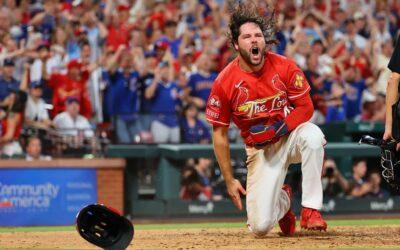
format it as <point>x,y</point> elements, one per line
<point>200,83</point>
<point>171,38</point>
<point>335,114</point>
<point>335,111</point>
<point>145,80</point>
<point>193,129</point>
<point>7,81</point>
<point>121,96</point>
<point>164,96</point>
<point>354,87</point>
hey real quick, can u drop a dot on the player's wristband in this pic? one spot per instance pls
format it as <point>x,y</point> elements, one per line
<point>263,135</point>
<point>281,128</point>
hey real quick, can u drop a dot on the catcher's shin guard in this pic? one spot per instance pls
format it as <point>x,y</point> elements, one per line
<point>104,227</point>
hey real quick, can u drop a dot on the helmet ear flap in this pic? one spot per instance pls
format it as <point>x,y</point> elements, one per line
<point>104,227</point>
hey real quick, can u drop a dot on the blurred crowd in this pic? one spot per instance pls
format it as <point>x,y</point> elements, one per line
<point>202,180</point>
<point>363,182</point>
<point>78,74</point>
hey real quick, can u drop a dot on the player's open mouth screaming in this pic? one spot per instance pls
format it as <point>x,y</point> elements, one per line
<point>255,53</point>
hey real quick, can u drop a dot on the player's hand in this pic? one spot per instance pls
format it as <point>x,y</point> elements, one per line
<point>234,190</point>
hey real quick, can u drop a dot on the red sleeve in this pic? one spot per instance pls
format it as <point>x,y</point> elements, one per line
<point>303,110</point>
<point>86,107</point>
<point>55,80</point>
<point>58,106</point>
<point>218,112</point>
<point>85,77</point>
<point>296,84</point>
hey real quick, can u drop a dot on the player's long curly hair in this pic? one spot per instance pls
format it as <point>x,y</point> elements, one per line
<point>244,12</point>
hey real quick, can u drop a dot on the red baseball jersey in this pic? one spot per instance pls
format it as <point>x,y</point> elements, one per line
<point>254,98</point>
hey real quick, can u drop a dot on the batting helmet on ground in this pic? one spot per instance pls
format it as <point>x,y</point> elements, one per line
<point>104,227</point>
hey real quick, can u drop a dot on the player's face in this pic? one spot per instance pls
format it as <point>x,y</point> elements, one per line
<point>251,44</point>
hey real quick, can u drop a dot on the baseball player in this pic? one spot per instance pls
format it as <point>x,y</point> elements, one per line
<point>267,97</point>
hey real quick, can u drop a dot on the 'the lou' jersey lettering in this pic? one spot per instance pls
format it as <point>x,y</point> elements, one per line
<point>253,98</point>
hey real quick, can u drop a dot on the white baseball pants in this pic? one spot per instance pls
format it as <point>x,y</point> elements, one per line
<point>266,202</point>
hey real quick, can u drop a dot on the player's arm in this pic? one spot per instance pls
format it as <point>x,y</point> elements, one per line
<point>299,97</point>
<point>391,98</point>
<point>222,153</point>
<point>298,92</point>
<point>303,111</point>
<point>218,114</point>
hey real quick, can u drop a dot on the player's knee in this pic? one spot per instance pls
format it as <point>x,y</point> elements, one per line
<point>312,136</point>
<point>262,228</point>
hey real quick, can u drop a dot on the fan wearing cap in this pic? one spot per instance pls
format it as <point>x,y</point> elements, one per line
<point>73,84</point>
<point>36,68</point>
<point>70,122</point>
<point>36,113</point>
<point>7,81</point>
<point>161,47</point>
<point>380,31</point>
<point>121,97</point>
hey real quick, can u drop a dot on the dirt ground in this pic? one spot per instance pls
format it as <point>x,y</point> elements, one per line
<point>235,238</point>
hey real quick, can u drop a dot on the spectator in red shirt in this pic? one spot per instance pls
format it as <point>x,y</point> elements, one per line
<point>73,84</point>
<point>118,27</point>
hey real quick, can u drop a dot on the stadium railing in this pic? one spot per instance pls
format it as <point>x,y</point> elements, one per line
<point>169,160</point>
